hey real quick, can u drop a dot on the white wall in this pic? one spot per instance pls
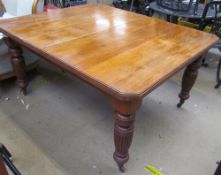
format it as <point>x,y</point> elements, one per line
<point>11,6</point>
<point>18,7</point>
<point>24,7</point>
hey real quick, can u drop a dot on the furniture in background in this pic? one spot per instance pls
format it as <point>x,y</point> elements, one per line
<point>215,28</point>
<point>6,159</point>
<point>211,24</point>
<point>138,6</point>
<point>65,3</point>
<point>178,5</point>
<point>192,11</point>
<point>108,51</point>
<point>202,16</point>
<point>48,8</point>
<point>69,3</point>
<point>38,6</point>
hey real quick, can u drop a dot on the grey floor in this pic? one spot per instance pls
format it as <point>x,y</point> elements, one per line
<point>64,126</point>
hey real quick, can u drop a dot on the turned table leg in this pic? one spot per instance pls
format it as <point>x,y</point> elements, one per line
<point>18,63</point>
<point>189,78</point>
<point>123,129</point>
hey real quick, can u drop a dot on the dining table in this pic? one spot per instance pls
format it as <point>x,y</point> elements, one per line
<point>122,54</point>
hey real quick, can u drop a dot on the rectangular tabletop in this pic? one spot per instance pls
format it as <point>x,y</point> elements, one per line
<point>121,53</point>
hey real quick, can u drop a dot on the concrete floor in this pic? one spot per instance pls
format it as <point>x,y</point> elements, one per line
<point>64,126</point>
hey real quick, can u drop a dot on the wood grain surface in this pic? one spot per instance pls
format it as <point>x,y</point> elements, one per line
<point>124,54</point>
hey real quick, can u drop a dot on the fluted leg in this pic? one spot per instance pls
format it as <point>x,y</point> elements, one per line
<point>189,78</point>
<point>18,63</point>
<point>123,129</point>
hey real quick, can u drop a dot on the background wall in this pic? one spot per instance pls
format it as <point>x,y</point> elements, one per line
<point>24,7</point>
<point>11,6</point>
<point>18,7</point>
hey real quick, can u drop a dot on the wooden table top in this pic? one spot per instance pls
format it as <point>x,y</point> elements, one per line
<point>124,54</point>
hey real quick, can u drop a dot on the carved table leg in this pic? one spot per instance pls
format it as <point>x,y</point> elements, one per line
<point>189,78</point>
<point>123,129</point>
<point>18,63</point>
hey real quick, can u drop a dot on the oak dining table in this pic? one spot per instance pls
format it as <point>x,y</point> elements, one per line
<point>122,54</point>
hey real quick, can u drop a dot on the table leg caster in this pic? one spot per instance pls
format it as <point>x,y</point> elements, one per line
<point>180,104</point>
<point>123,129</point>
<point>218,85</point>
<point>24,90</point>
<point>122,168</point>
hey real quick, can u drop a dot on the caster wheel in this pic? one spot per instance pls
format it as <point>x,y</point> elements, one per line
<point>205,64</point>
<point>179,105</point>
<point>122,169</point>
<point>217,86</point>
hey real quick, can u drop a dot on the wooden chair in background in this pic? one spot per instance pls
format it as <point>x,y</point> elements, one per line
<point>37,4</point>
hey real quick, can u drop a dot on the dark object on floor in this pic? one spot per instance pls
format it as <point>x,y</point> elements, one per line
<point>218,76</point>
<point>6,157</point>
<point>218,170</point>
